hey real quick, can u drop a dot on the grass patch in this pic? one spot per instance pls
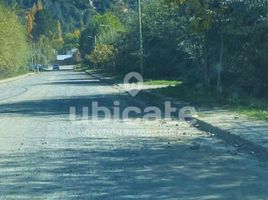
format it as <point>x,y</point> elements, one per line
<point>200,96</point>
<point>163,82</point>
<point>252,107</point>
<point>209,98</point>
<point>196,95</point>
<point>118,78</point>
<point>14,74</point>
<point>255,113</point>
<point>81,67</point>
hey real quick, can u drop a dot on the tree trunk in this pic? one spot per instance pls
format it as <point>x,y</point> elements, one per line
<point>206,63</point>
<point>219,78</point>
<point>114,65</point>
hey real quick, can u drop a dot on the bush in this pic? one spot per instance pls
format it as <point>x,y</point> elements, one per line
<point>102,54</point>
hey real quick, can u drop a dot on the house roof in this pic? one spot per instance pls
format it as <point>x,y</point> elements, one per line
<point>63,57</point>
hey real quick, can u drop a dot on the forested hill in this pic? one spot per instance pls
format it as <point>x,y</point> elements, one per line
<point>71,13</point>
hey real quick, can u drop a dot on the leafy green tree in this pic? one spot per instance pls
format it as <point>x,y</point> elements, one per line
<point>102,29</point>
<point>220,44</point>
<point>108,27</point>
<point>39,5</point>
<point>44,24</point>
<point>14,50</point>
<point>71,40</point>
<point>102,54</point>
<point>59,41</point>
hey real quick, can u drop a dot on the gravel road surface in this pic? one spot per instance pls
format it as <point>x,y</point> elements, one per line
<point>46,154</point>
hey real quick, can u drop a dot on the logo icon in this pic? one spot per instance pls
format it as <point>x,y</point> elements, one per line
<point>133,88</point>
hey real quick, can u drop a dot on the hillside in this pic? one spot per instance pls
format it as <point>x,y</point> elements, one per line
<point>71,13</point>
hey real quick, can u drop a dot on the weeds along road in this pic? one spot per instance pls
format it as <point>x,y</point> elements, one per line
<point>44,155</point>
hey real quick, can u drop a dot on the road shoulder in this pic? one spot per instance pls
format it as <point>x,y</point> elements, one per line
<point>248,135</point>
<point>8,80</point>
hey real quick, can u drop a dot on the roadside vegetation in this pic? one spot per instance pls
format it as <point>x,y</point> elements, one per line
<point>29,37</point>
<point>162,82</point>
<point>215,50</point>
<point>256,108</point>
<point>14,49</point>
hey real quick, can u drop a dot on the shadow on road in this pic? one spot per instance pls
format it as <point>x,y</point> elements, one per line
<point>62,106</point>
<point>75,82</point>
<point>129,170</point>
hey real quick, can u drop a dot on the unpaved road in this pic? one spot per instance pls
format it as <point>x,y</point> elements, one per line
<point>44,155</point>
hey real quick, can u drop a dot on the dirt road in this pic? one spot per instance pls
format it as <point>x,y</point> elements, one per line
<point>45,155</point>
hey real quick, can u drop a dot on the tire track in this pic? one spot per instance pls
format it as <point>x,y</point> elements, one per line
<point>15,95</point>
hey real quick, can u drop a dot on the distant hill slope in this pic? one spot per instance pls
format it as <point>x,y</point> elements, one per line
<point>72,13</point>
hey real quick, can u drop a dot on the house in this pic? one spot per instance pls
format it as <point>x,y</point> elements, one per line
<point>71,57</point>
<point>63,57</point>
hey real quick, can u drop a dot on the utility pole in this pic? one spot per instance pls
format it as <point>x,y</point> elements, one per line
<point>90,3</point>
<point>141,37</point>
<point>110,26</point>
<point>95,41</point>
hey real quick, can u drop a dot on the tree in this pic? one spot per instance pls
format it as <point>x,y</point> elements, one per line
<point>30,24</point>
<point>44,24</point>
<point>59,38</point>
<point>45,50</point>
<point>71,40</point>
<point>34,10</point>
<point>107,28</point>
<point>200,18</point>
<point>39,5</point>
<point>14,51</point>
<point>102,54</point>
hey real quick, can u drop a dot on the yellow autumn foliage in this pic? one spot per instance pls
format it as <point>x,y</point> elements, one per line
<point>14,49</point>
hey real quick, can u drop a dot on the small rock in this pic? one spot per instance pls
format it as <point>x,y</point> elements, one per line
<point>237,145</point>
<point>195,146</point>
